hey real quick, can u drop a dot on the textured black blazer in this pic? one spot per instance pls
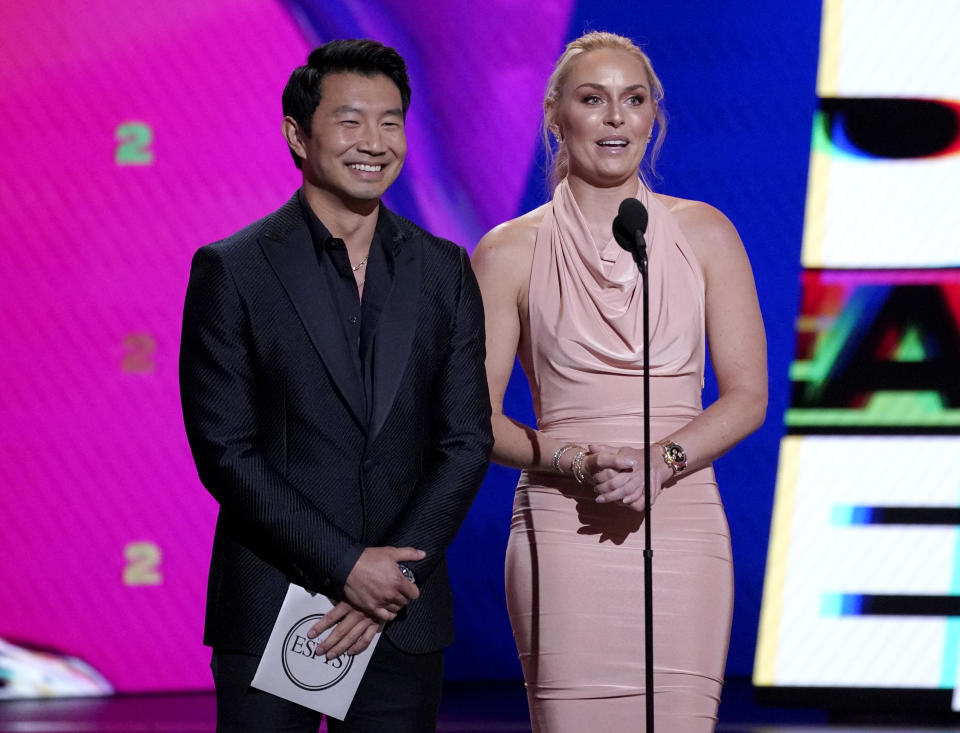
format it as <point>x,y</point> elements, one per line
<point>272,404</point>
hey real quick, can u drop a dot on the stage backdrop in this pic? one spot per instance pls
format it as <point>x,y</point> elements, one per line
<point>863,574</point>
<point>133,132</point>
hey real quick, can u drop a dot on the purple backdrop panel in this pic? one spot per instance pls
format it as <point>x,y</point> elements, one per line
<point>478,73</point>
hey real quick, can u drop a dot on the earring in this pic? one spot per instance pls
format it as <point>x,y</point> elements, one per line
<point>558,135</point>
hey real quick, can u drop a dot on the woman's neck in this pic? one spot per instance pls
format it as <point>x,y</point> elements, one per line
<point>598,205</point>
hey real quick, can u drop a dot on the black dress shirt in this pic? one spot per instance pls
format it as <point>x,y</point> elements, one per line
<point>358,316</point>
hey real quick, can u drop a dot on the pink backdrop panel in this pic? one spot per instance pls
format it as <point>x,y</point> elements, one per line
<point>131,133</point>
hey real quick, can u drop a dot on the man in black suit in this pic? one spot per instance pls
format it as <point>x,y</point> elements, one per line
<point>333,390</point>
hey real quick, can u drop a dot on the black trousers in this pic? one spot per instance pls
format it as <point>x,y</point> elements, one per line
<point>399,693</point>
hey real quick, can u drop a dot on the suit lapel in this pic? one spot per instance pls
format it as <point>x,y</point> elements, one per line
<point>397,325</point>
<point>289,249</point>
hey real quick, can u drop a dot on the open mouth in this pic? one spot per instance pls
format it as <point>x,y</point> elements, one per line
<point>613,143</point>
<point>367,167</point>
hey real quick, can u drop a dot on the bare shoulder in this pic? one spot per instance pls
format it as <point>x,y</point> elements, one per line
<point>710,233</point>
<point>506,251</point>
<point>514,238</point>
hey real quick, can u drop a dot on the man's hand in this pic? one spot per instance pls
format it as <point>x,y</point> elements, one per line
<point>377,587</point>
<point>353,630</point>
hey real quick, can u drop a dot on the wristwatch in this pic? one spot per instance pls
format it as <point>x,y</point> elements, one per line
<point>407,573</point>
<point>674,456</point>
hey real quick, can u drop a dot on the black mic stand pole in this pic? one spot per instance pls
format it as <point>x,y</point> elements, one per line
<point>641,252</point>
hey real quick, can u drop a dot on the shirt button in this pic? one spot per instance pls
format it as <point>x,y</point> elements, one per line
<point>353,320</point>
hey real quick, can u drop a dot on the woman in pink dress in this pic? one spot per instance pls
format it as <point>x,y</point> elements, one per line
<point>562,294</point>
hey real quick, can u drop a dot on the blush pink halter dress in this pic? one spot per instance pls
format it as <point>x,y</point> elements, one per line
<point>574,568</point>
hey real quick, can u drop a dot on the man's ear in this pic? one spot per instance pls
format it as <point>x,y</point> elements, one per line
<point>294,136</point>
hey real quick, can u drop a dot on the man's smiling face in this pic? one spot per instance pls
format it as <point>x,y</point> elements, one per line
<point>357,142</point>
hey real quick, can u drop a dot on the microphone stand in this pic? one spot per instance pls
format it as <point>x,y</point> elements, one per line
<point>641,257</point>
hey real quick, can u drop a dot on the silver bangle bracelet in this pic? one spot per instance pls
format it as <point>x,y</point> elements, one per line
<point>577,467</point>
<point>559,452</point>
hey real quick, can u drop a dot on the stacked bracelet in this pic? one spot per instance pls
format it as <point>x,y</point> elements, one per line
<point>559,452</point>
<point>577,467</point>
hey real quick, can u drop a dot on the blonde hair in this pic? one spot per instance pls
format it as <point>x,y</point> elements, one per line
<point>558,163</point>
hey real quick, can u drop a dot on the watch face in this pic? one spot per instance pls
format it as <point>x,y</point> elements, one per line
<point>675,456</point>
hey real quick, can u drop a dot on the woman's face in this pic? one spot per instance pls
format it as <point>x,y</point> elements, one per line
<point>605,116</point>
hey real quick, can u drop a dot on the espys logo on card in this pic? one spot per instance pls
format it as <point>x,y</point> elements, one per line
<point>304,667</point>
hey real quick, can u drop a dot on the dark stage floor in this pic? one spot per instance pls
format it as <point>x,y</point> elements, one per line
<point>467,708</point>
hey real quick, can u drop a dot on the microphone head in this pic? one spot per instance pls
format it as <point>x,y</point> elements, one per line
<point>631,218</point>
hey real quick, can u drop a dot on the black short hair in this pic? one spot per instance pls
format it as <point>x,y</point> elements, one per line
<point>357,56</point>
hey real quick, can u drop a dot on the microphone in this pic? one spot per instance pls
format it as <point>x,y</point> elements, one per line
<point>628,228</point>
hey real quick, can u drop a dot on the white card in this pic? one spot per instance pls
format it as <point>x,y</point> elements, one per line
<point>290,669</point>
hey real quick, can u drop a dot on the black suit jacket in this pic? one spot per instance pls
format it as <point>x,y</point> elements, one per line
<point>272,404</point>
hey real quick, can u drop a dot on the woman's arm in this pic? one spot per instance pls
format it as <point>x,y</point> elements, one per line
<point>738,346</point>
<point>502,262</point>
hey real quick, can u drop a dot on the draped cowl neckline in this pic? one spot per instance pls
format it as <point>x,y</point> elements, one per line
<point>586,317</point>
<point>608,264</point>
<point>609,276</point>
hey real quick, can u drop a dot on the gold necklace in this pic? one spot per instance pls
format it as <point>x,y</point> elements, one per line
<point>362,263</point>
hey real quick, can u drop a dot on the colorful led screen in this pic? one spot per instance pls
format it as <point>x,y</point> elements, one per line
<point>862,585</point>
